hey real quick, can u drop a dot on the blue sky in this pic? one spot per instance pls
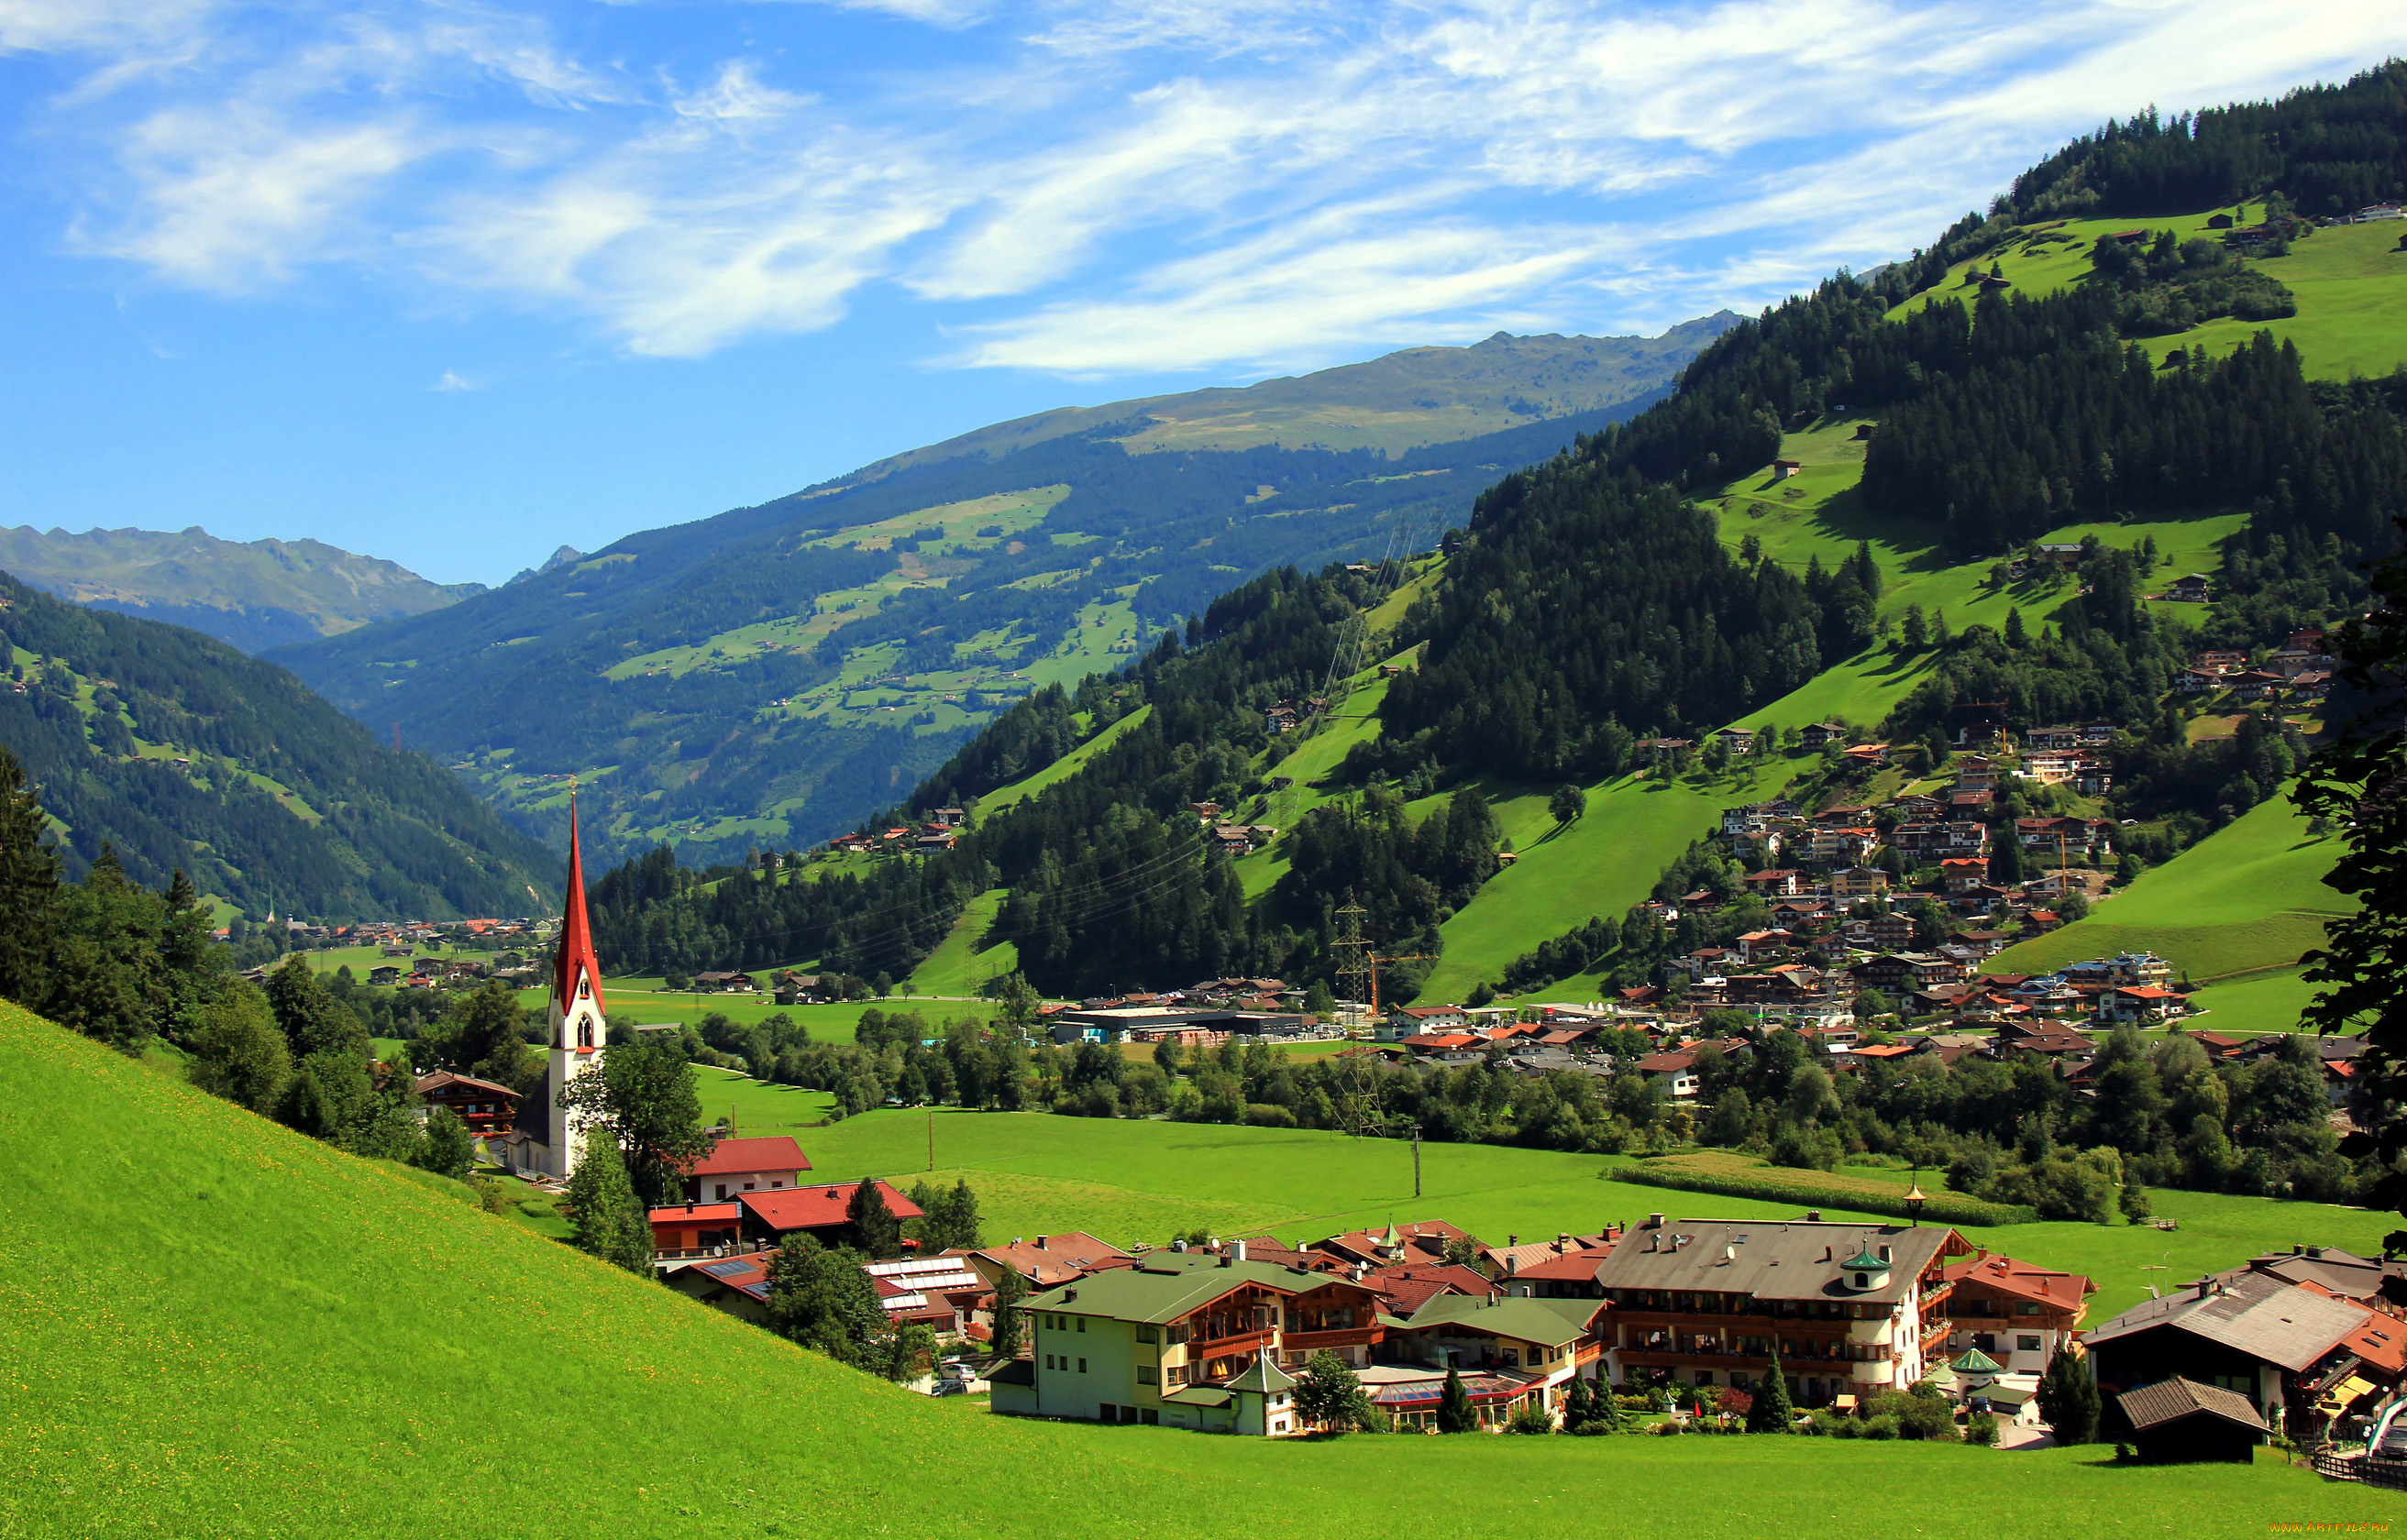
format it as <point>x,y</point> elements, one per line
<point>456,283</point>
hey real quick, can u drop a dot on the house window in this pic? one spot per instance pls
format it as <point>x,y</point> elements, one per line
<point>2026,1307</point>
<point>1512,1357</point>
<point>722,1189</point>
<point>1082,1366</point>
<point>1082,1323</point>
<point>1705,1376</point>
<point>1148,1334</point>
<point>2026,1343</point>
<point>1148,1376</point>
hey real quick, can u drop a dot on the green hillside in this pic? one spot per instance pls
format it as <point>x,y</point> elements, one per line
<point>212,1325</point>
<point>767,677</point>
<point>2248,899</point>
<point>180,751</point>
<point>256,594</point>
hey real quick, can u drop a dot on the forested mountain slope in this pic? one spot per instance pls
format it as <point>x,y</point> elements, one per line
<point>181,752</point>
<point>768,676</point>
<point>256,594</point>
<point>2138,381</point>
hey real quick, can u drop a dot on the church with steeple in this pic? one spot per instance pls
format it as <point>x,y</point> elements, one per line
<point>546,1138</point>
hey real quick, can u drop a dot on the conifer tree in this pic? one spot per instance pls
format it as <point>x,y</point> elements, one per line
<point>1770,1411</point>
<point>1009,1319</point>
<point>870,1223</point>
<point>2068,1398</point>
<point>610,1224</point>
<point>29,883</point>
<point>1455,1412</point>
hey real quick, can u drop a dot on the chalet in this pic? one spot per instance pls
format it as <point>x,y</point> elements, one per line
<point>1964,874</point>
<point>1406,1021</point>
<point>1426,1241</point>
<point>735,1166</point>
<point>2142,1005</point>
<point>1048,1261</point>
<point>2191,588</point>
<point>1187,1339</point>
<point>485,1106</point>
<point>1447,1046</point>
<point>1868,754</point>
<point>2085,836</point>
<point>1858,882</point>
<point>2218,221</point>
<point>685,1230</point>
<point>1814,735</point>
<point>1756,946</point>
<point>1850,1309</point>
<point>2275,1342</point>
<point>386,974</point>
<point>730,981</point>
<point>818,1211</point>
<point>1736,741</point>
<point>1834,844</point>
<point>1776,883</point>
<point>2060,552</point>
<point>948,818</point>
<point>1783,469</point>
<point>1675,1073</point>
<point>2254,685</point>
<point>1668,751</point>
<point>793,988</point>
<point>2017,1313</point>
<point>2052,738</point>
<point>938,840</point>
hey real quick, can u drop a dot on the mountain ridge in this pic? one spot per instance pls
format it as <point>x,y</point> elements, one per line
<point>255,594</point>
<point>766,677</point>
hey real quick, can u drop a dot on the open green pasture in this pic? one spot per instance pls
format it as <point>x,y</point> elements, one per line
<point>305,1343</point>
<point>2246,898</point>
<point>960,962</point>
<point>1061,768</point>
<point>1601,863</point>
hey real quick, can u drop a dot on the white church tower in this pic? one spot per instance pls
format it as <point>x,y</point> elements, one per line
<point>576,1029</point>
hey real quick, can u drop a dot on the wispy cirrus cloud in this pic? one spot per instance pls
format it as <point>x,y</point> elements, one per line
<point>1095,188</point>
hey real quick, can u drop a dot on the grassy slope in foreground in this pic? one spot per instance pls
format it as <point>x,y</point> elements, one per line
<point>211,1325</point>
<point>1143,1181</point>
<point>2248,897</point>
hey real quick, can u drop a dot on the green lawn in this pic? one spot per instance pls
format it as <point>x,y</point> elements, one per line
<point>1061,768</point>
<point>303,1344</point>
<point>760,1107</point>
<point>2246,898</point>
<point>2351,281</point>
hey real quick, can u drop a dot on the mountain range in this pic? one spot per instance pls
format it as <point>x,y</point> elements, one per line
<point>767,677</point>
<point>256,594</point>
<point>176,750</point>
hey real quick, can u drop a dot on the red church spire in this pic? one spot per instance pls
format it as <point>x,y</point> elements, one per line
<point>575,952</point>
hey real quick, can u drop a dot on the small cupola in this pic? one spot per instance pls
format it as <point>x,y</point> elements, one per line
<point>1865,1271</point>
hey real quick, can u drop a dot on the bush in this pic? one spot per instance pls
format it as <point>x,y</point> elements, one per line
<point>1980,1428</point>
<point>1531,1420</point>
<point>1739,1177</point>
<point>1591,1429</point>
<point>1878,1427</point>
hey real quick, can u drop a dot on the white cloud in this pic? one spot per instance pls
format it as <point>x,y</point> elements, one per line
<point>1092,185</point>
<point>452,382</point>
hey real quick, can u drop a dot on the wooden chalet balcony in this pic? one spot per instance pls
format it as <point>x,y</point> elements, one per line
<point>1199,1349</point>
<point>1312,1342</point>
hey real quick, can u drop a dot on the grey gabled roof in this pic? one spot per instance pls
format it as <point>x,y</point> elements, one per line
<point>2171,1400</point>
<point>1793,1259</point>
<point>534,1112</point>
<point>1263,1376</point>
<point>2265,1317</point>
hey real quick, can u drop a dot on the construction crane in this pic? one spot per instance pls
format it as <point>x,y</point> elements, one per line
<point>1375,960</point>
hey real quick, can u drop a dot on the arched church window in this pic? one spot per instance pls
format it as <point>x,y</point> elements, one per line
<point>584,1031</point>
<point>584,989</point>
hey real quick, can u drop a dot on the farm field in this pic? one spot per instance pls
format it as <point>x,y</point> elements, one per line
<point>2247,899</point>
<point>1130,1181</point>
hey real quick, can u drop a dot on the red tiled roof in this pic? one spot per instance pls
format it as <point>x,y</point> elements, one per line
<point>1408,1286</point>
<point>735,1157</point>
<point>1666,1063</point>
<point>2059,1291</point>
<point>817,1207</point>
<point>698,1213</point>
